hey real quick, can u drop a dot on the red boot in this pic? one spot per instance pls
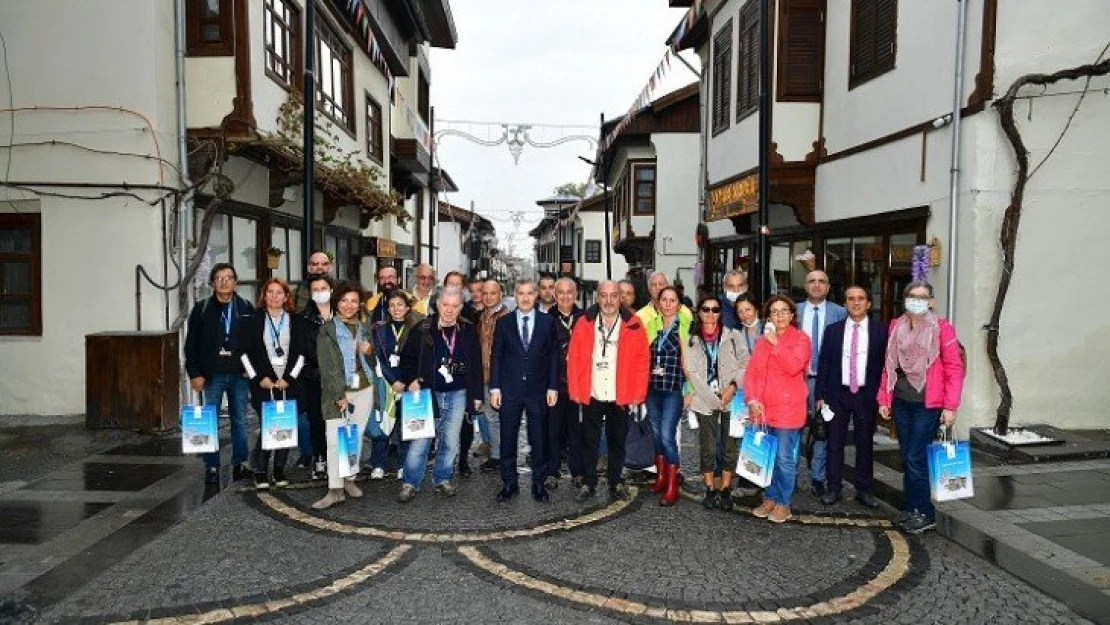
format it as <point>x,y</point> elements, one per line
<point>660,474</point>
<point>670,495</point>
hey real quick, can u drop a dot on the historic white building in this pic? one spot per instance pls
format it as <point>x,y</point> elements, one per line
<point>861,157</point>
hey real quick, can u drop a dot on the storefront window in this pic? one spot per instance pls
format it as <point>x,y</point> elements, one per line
<point>901,269</point>
<point>789,266</point>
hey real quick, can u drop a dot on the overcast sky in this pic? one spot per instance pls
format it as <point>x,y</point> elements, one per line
<point>557,62</point>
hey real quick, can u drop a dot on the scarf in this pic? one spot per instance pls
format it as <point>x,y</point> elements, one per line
<point>912,349</point>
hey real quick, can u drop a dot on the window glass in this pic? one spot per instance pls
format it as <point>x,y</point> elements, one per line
<point>219,239</point>
<point>244,236</point>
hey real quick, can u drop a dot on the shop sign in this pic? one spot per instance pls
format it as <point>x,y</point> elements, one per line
<point>735,198</point>
<point>380,247</point>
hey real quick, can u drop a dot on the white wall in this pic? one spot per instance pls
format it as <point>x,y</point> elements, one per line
<point>89,247</point>
<point>676,209</point>
<point>449,237</point>
<point>593,227</point>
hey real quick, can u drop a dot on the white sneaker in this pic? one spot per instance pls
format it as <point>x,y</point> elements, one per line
<point>377,474</point>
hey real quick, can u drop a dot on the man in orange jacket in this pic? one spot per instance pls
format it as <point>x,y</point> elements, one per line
<point>607,373</point>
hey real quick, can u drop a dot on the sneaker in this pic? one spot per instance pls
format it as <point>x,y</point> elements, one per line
<point>319,470</point>
<point>261,482</point>
<point>212,475</point>
<point>585,493</point>
<point>447,489</point>
<point>482,451</point>
<point>280,480</point>
<point>780,514</point>
<point>377,474</point>
<point>303,462</point>
<point>351,488</point>
<point>464,468</point>
<point>490,465</point>
<point>919,523</point>
<point>619,492</point>
<point>900,519</point>
<point>764,509</point>
<point>407,494</point>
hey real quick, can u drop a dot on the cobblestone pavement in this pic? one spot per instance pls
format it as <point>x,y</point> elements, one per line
<point>468,559</point>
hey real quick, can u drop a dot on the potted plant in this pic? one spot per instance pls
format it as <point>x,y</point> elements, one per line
<point>273,257</point>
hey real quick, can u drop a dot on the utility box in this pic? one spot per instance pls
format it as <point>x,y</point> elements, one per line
<point>131,381</point>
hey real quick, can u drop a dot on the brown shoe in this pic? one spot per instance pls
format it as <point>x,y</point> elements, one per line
<point>780,514</point>
<point>764,509</point>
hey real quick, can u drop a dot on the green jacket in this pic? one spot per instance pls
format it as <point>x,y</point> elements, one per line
<point>653,323</point>
<point>333,386</point>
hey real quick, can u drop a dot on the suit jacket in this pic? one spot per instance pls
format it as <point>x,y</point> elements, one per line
<point>830,363</point>
<point>518,372</point>
<point>833,314</point>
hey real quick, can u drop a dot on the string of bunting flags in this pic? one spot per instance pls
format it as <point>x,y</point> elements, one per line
<point>644,99</point>
<point>358,11</point>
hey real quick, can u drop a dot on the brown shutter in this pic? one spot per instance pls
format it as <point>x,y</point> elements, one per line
<point>747,88</point>
<point>722,79</point>
<point>802,51</point>
<point>886,34</point>
<point>863,39</point>
<point>874,35</point>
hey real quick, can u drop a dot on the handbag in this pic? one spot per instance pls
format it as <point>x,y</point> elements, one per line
<point>200,428</point>
<point>950,469</point>
<point>639,443</point>
<point>417,420</point>
<point>279,423</point>
<point>347,448</point>
<point>757,457</point>
<point>818,428</point>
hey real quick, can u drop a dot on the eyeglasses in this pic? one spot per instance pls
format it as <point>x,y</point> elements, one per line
<point>711,309</point>
<point>779,312</point>
<point>224,279</point>
<point>425,277</point>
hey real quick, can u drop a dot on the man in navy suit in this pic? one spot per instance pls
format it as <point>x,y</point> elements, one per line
<point>848,372</point>
<point>524,374</point>
<point>814,316</point>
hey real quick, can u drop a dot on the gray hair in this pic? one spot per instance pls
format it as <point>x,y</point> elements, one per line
<point>659,273</point>
<point>451,291</point>
<point>736,272</point>
<point>570,281</point>
<point>917,284</point>
<point>524,282</point>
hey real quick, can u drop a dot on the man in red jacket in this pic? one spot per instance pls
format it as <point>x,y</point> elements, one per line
<point>607,372</point>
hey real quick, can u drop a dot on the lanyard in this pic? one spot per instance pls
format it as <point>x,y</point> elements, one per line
<point>275,331</point>
<point>567,321</point>
<point>397,337</point>
<point>748,339</point>
<point>226,314</point>
<point>663,340</point>
<point>711,355</point>
<point>450,342</point>
<point>608,335</point>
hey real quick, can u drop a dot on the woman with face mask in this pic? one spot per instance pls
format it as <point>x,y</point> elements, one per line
<point>920,387</point>
<point>315,314</point>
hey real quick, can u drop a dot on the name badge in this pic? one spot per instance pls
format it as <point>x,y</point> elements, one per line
<point>715,386</point>
<point>225,352</point>
<point>277,361</point>
<point>394,360</point>
<point>354,381</point>
<point>601,365</point>
<point>658,371</point>
<point>447,377</point>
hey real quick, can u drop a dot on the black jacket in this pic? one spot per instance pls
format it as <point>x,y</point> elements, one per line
<point>418,357</point>
<point>256,360</point>
<point>562,338</point>
<point>204,335</point>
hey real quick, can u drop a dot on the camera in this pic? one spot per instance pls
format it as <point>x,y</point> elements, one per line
<point>457,368</point>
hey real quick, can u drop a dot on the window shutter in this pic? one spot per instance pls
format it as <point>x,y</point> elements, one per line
<point>874,36</point>
<point>803,46</point>
<point>886,32</point>
<point>722,79</point>
<point>863,38</point>
<point>747,89</point>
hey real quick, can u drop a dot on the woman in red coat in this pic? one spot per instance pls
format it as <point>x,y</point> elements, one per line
<point>775,389</point>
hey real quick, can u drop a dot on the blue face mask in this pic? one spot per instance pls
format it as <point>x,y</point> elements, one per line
<point>916,306</point>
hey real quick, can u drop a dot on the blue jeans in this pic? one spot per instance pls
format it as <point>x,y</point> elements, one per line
<point>452,407</point>
<point>483,427</point>
<point>786,465</point>
<point>917,427</point>
<point>820,448</point>
<point>664,408</point>
<point>237,389</point>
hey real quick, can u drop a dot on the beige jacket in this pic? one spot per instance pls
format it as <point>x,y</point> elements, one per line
<point>732,361</point>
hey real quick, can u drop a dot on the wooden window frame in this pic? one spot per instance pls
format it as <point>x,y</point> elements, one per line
<point>194,24</point>
<point>32,222</point>
<point>375,144</point>
<point>294,65</point>
<point>880,62</point>
<point>748,60</point>
<point>635,183</point>
<point>592,251</point>
<point>423,96</point>
<point>328,35</point>
<point>787,31</point>
<point>722,79</point>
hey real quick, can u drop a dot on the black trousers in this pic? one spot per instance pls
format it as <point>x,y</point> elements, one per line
<point>310,402</point>
<point>510,414</point>
<point>616,431</point>
<point>466,437</point>
<point>564,430</point>
<point>862,412</point>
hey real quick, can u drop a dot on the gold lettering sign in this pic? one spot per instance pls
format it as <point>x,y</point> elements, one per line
<point>738,197</point>
<point>386,248</point>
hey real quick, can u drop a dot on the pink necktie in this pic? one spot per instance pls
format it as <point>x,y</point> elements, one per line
<point>853,377</point>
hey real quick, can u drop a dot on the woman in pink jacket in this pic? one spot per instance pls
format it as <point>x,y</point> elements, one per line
<point>775,389</point>
<point>921,385</point>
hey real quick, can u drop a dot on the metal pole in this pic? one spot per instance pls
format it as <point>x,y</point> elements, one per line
<point>605,187</point>
<point>954,173</point>
<point>764,272</point>
<point>309,129</point>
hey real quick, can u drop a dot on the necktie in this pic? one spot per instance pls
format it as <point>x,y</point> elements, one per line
<point>525,335</point>
<point>853,377</point>
<point>815,334</point>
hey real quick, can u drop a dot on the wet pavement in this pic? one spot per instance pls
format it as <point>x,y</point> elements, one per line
<point>128,531</point>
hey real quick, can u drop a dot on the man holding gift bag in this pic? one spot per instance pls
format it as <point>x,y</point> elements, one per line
<point>442,355</point>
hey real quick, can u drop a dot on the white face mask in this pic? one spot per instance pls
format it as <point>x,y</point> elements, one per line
<point>917,306</point>
<point>732,295</point>
<point>321,297</point>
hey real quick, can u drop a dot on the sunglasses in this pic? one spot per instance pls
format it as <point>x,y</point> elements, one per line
<point>711,309</point>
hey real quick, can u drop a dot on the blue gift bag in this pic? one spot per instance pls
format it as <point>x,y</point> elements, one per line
<point>417,420</point>
<point>279,424</point>
<point>200,429</point>
<point>950,470</point>
<point>757,457</point>
<point>738,414</point>
<point>347,448</point>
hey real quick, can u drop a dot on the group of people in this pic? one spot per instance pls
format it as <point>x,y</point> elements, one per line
<point>539,376</point>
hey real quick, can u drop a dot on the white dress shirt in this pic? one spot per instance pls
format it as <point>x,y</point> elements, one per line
<point>861,353</point>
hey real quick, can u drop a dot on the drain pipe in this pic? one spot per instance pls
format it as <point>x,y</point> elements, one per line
<point>185,204</point>
<point>954,172</point>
